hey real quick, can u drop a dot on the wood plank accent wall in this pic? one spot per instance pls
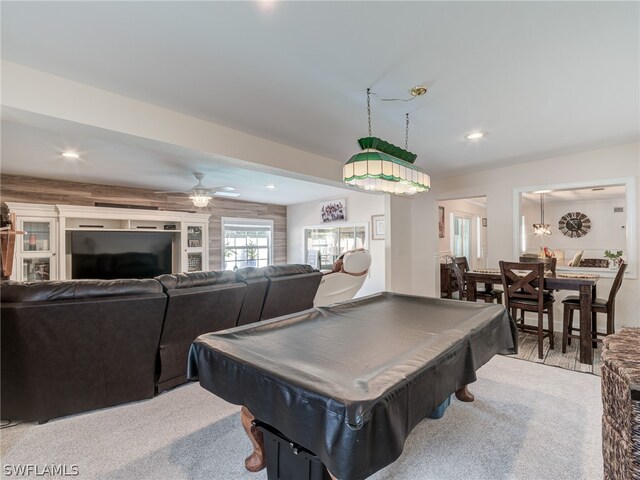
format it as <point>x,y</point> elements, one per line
<point>14,188</point>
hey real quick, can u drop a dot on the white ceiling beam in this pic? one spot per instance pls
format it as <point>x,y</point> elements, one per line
<point>35,91</point>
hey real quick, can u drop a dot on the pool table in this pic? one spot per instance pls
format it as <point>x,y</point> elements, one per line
<point>350,381</point>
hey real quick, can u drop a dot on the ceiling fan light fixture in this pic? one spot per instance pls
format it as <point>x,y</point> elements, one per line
<point>200,200</point>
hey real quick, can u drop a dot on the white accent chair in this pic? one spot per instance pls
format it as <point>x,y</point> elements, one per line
<point>343,285</point>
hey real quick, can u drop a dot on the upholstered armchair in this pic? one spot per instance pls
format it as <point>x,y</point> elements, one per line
<point>341,285</point>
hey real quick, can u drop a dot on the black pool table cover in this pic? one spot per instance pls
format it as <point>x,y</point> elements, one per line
<point>349,382</point>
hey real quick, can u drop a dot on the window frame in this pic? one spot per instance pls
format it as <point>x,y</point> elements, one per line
<point>328,225</point>
<point>257,222</point>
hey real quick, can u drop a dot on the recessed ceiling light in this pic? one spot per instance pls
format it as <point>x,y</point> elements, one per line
<point>270,186</point>
<point>70,154</point>
<point>474,135</point>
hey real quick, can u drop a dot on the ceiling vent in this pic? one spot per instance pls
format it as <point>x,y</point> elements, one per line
<point>618,209</point>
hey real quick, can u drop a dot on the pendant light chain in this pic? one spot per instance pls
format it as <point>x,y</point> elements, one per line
<point>406,134</point>
<point>369,109</point>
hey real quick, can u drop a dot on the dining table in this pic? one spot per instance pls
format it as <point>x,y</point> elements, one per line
<point>584,284</point>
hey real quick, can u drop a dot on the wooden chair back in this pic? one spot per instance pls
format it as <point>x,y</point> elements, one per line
<point>594,262</point>
<point>617,282</point>
<point>526,287</point>
<point>459,277</point>
<point>549,263</point>
<point>462,263</point>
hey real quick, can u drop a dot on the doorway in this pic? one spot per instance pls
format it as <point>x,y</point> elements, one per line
<point>463,229</point>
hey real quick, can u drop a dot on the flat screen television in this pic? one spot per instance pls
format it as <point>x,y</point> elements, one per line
<point>109,255</point>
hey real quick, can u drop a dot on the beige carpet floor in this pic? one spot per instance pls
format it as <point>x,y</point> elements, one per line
<point>528,350</point>
<point>528,422</point>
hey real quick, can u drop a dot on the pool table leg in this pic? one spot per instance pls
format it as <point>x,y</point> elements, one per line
<point>256,461</point>
<point>464,395</point>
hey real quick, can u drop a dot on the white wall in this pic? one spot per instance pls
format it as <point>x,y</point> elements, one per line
<point>360,208</point>
<point>498,185</point>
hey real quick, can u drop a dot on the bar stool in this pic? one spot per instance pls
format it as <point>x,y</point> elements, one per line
<point>598,305</point>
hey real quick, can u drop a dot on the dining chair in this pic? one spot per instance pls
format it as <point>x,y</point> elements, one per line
<point>594,262</point>
<point>460,267</point>
<point>549,263</point>
<point>598,305</point>
<point>523,285</point>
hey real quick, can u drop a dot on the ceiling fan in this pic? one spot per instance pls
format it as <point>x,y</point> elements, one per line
<point>200,195</point>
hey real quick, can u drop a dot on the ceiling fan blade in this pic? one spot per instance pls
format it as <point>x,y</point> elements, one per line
<point>226,194</point>
<point>172,191</point>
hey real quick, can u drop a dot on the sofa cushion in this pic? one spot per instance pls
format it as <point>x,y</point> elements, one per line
<point>76,289</point>
<point>257,285</point>
<point>249,273</point>
<point>195,279</point>
<point>274,271</point>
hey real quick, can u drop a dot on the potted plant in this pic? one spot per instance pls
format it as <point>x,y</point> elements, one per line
<point>614,258</point>
<point>252,254</point>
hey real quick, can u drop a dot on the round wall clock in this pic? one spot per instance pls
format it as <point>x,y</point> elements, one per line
<point>574,224</point>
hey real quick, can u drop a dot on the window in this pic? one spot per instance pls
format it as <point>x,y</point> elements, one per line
<point>323,245</point>
<point>461,238</point>
<point>247,243</point>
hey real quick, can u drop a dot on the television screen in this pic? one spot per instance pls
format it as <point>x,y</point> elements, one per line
<point>109,255</point>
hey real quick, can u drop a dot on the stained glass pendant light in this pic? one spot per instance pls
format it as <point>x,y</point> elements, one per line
<point>383,167</point>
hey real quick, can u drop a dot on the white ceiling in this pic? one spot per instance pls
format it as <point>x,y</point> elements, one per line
<point>32,145</point>
<point>595,193</point>
<point>541,78</point>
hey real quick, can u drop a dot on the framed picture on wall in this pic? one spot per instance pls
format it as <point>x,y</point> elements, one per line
<point>377,227</point>
<point>441,222</point>
<point>333,210</point>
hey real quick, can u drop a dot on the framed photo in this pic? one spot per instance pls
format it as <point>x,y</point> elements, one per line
<point>484,222</point>
<point>441,222</point>
<point>333,210</point>
<point>377,227</point>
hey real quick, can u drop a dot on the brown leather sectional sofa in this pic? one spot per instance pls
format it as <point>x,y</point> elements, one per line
<point>73,346</point>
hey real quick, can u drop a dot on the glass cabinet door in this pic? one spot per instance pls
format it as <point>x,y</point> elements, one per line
<point>194,236</point>
<point>194,262</point>
<point>36,253</point>
<point>36,269</point>
<point>38,236</point>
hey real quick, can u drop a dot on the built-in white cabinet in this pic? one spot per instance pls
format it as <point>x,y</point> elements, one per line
<point>59,239</point>
<point>36,250</point>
